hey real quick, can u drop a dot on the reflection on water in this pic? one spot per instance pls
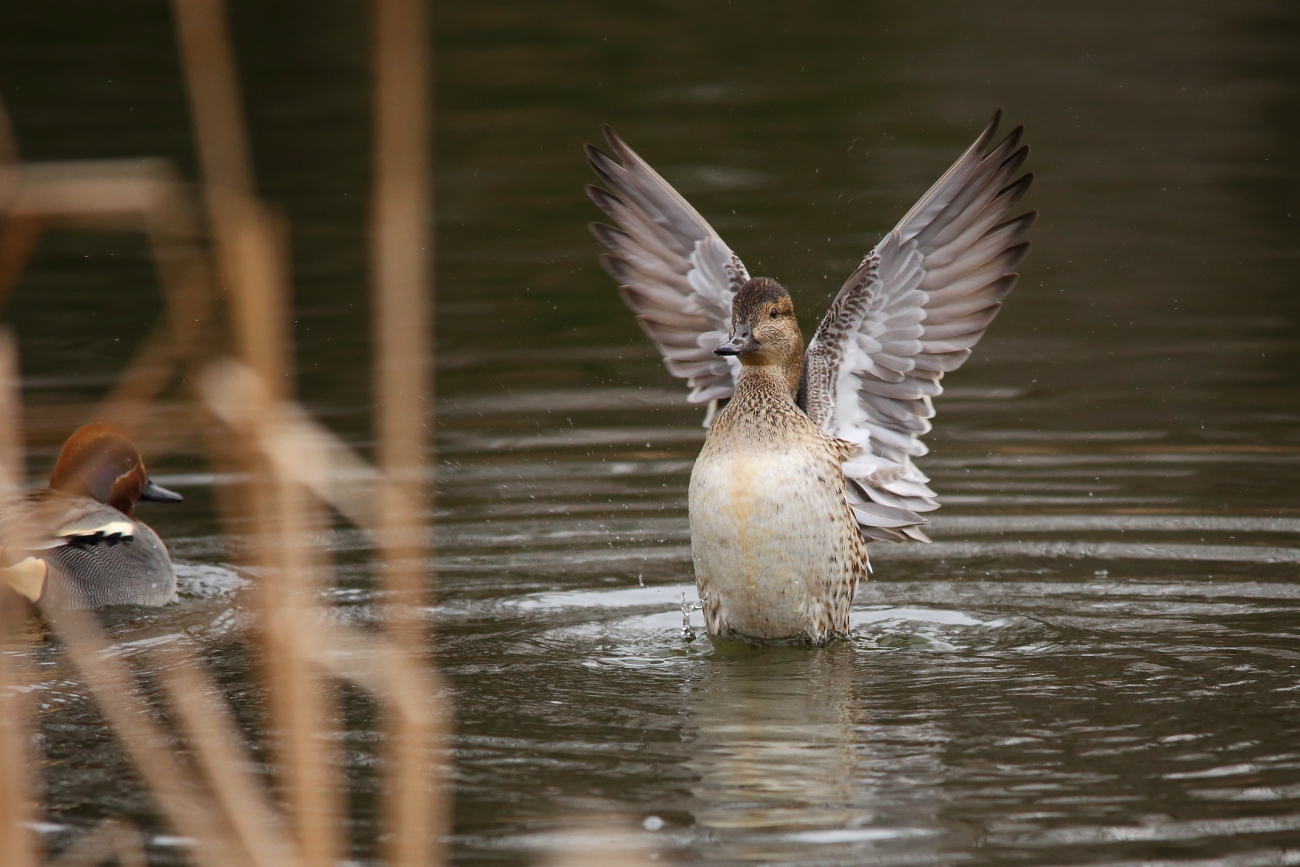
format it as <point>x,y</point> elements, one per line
<point>1097,659</point>
<point>774,740</point>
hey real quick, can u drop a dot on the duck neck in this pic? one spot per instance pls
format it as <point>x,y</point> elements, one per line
<point>766,379</point>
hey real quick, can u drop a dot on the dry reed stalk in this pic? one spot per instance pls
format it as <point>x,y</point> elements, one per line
<point>223,759</point>
<point>308,452</point>
<point>401,241</point>
<point>18,845</point>
<point>8,144</point>
<point>186,335</point>
<point>283,514</point>
<point>297,445</point>
<point>416,807</point>
<point>397,678</point>
<point>11,414</point>
<point>17,236</point>
<point>186,805</point>
<point>252,261</point>
<point>132,196</point>
<point>212,78</point>
<point>304,710</point>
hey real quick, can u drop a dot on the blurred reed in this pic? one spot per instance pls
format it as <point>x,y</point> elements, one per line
<point>17,801</point>
<point>401,254</point>
<point>221,256</point>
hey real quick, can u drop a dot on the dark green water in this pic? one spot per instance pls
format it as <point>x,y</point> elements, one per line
<point>1098,661</point>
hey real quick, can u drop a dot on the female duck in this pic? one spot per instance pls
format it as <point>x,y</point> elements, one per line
<point>811,458</point>
<point>76,543</point>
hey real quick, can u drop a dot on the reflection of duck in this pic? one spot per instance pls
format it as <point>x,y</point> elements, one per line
<point>812,455</point>
<point>802,758</point>
<point>76,543</point>
<point>772,745</point>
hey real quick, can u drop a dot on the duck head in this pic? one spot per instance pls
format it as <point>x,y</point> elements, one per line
<point>764,330</point>
<point>99,462</point>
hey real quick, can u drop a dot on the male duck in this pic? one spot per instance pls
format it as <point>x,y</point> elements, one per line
<point>811,455</point>
<point>75,544</point>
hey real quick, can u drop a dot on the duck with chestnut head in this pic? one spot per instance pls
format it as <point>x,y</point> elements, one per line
<point>809,453</point>
<point>77,542</point>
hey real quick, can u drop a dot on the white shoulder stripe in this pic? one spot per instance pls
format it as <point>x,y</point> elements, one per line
<point>122,529</point>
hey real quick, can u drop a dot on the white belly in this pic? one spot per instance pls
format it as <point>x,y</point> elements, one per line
<point>768,537</point>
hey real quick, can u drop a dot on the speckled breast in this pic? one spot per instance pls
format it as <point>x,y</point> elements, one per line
<point>775,549</point>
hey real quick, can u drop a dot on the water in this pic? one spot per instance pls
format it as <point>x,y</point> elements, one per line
<point>1097,659</point>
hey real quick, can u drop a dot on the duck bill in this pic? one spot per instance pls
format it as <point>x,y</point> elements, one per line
<point>156,493</point>
<point>742,341</point>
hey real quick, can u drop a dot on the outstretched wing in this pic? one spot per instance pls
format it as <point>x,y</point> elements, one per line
<point>673,270</point>
<point>910,313</point>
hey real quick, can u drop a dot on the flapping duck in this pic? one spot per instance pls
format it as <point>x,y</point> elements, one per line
<point>77,543</point>
<point>809,452</point>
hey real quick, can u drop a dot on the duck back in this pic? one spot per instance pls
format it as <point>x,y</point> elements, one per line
<point>95,574</point>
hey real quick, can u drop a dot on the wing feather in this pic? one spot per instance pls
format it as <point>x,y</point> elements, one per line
<point>909,314</point>
<point>674,271</point>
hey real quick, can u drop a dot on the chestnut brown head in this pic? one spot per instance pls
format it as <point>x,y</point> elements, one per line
<point>99,462</point>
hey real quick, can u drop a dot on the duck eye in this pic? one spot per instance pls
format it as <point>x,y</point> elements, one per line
<point>775,313</point>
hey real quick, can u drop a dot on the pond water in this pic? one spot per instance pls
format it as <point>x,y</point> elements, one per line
<point>1098,659</point>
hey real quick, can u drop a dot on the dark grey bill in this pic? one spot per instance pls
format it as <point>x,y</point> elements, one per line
<point>156,493</point>
<point>741,341</point>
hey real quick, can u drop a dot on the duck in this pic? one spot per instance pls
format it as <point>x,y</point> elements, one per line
<point>809,452</point>
<point>77,543</point>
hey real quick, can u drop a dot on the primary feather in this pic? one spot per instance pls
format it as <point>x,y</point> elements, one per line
<point>673,270</point>
<point>910,313</point>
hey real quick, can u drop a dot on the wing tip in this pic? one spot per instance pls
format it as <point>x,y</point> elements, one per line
<point>604,199</point>
<point>1014,160</point>
<point>595,156</point>
<point>601,232</point>
<point>1016,254</point>
<point>613,266</point>
<point>1011,139</point>
<point>916,534</point>
<point>616,144</point>
<point>990,130</point>
<point>1015,190</point>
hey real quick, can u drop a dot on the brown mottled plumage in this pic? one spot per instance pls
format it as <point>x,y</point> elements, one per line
<point>776,548</point>
<point>812,455</point>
